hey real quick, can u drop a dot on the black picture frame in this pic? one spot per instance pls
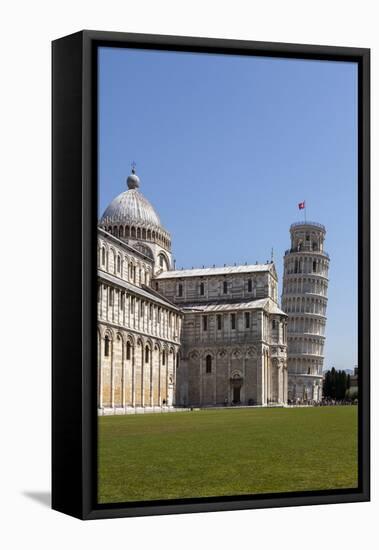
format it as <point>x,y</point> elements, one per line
<point>74,205</point>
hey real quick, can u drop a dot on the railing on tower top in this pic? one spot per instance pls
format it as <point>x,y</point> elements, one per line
<point>316,224</point>
<point>304,249</point>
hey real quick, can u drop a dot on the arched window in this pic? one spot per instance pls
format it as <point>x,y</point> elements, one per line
<point>180,289</point>
<point>205,323</point>
<point>219,322</point>
<point>106,346</point>
<point>147,354</point>
<point>225,287</point>
<point>163,357</point>
<point>121,231</point>
<point>247,319</point>
<point>208,364</point>
<point>273,323</point>
<point>103,255</point>
<point>249,285</point>
<point>202,289</point>
<point>118,264</point>
<point>314,266</point>
<point>128,350</point>
<point>233,320</point>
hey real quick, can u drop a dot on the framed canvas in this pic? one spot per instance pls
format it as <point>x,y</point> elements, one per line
<point>211,287</point>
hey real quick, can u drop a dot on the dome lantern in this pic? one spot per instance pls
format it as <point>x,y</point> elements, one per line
<point>133,180</point>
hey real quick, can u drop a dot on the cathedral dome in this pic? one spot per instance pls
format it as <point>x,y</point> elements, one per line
<point>131,207</point>
<point>131,216</point>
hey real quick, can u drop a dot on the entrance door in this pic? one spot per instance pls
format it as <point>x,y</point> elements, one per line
<point>236,394</point>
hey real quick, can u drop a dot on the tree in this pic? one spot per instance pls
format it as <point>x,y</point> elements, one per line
<point>335,384</point>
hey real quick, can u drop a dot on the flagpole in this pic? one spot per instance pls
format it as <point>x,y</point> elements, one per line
<point>305,212</point>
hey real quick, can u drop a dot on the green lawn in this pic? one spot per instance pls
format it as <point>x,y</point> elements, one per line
<point>226,452</point>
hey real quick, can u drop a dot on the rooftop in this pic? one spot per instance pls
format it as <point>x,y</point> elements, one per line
<point>208,271</point>
<point>144,292</point>
<point>264,303</point>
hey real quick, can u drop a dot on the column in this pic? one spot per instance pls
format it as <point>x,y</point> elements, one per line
<point>159,377</point>
<point>133,377</point>
<point>151,377</point>
<point>123,400</point>
<point>100,374</point>
<point>215,380</point>
<point>201,380</point>
<point>142,375</point>
<point>112,373</point>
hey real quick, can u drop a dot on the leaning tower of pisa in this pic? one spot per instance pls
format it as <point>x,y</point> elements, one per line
<point>304,299</point>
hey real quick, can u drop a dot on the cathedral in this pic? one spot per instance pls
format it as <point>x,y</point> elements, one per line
<point>171,339</point>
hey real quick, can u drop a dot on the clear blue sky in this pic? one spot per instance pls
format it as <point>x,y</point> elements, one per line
<point>226,147</point>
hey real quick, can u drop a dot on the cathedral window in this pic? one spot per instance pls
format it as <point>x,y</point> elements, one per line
<point>202,289</point>
<point>118,264</point>
<point>225,287</point>
<point>163,357</point>
<point>314,266</point>
<point>247,319</point>
<point>128,350</point>
<point>205,323</point>
<point>122,301</point>
<point>208,364</point>
<point>111,296</point>
<point>103,255</point>
<point>233,320</point>
<point>132,304</point>
<point>180,289</point>
<point>106,346</point>
<point>273,323</point>
<point>249,285</point>
<point>219,322</point>
<point>147,354</point>
<point>156,285</point>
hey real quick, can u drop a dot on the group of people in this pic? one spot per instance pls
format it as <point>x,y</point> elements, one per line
<point>325,402</point>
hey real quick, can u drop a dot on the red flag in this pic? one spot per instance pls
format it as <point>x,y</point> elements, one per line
<point>301,205</point>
